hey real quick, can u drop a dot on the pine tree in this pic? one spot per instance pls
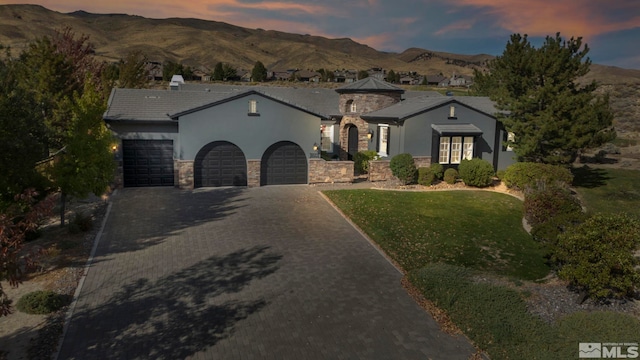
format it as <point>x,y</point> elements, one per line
<point>391,76</point>
<point>218,72</point>
<point>552,116</point>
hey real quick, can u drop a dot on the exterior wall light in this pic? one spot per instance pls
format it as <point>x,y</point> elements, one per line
<point>370,135</point>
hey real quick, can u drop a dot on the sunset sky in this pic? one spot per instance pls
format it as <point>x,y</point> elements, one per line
<point>611,28</point>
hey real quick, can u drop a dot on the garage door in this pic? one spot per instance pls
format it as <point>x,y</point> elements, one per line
<point>220,163</point>
<point>147,162</point>
<point>283,163</point>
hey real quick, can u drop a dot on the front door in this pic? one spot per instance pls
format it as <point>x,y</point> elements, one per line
<point>352,146</point>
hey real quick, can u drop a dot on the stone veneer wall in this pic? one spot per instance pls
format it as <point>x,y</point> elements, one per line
<point>380,170</point>
<point>365,103</point>
<point>253,173</point>
<point>118,175</point>
<point>321,171</point>
<point>363,127</point>
<point>183,170</point>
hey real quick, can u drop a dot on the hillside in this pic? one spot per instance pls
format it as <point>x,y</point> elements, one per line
<point>201,44</point>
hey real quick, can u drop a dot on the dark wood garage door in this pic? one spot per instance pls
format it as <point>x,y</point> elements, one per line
<point>220,163</point>
<point>147,162</point>
<point>283,163</point>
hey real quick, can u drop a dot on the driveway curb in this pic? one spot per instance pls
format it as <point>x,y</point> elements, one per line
<point>76,295</point>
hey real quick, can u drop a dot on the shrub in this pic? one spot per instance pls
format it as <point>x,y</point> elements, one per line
<point>40,302</point>
<point>438,170</point>
<point>524,174</point>
<point>403,167</point>
<point>548,231</point>
<point>500,174</point>
<point>547,201</point>
<point>476,172</point>
<point>426,176</point>
<point>361,160</point>
<point>80,223</point>
<point>597,255</point>
<point>450,176</point>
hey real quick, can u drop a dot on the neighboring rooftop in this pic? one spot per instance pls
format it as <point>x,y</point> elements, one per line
<point>369,84</point>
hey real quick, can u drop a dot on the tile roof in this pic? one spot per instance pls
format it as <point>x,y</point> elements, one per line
<point>412,106</point>
<point>159,105</point>
<point>154,105</point>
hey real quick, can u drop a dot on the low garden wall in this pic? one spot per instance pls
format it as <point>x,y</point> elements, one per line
<point>322,171</point>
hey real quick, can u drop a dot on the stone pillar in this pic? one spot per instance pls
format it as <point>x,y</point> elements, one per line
<point>253,173</point>
<point>184,174</point>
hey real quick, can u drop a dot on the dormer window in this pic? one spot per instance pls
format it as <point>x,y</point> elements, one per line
<point>253,107</point>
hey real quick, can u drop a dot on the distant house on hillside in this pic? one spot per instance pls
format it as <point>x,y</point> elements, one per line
<point>436,80</point>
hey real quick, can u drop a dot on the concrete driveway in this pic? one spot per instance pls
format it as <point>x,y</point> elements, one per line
<point>236,273</point>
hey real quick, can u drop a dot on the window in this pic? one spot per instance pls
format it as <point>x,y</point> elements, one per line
<point>350,107</point>
<point>326,139</point>
<point>455,148</point>
<point>510,137</point>
<point>467,148</point>
<point>383,140</point>
<point>253,106</point>
<point>444,150</point>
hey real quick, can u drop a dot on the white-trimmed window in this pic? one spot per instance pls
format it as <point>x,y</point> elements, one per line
<point>383,140</point>
<point>455,148</point>
<point>253,106</point>
<point>511,137</point>
<point>350,106</point>
<point>467,148</point>
<point>445,143</point>
<point>326,139</point>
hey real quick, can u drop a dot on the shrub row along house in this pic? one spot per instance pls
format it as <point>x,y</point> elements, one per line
<point>197,135</point>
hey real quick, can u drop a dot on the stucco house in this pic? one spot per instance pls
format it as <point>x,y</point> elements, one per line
<point>201,135</point>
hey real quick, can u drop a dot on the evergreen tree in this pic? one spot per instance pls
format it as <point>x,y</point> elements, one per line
<point>363,74</point>
<point>552,116</point>
<point>259,72</point>
<point>391,76</point>
<point>22,136</point>
<point>218,72</point>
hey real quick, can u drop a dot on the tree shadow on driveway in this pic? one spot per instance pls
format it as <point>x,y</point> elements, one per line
<point>144,217</point>
<point>175,316</point>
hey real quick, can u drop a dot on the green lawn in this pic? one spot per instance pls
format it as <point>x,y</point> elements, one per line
<point>476,229</point>
<point>609,191</point>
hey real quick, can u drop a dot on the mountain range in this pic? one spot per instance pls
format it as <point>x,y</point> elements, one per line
<point>202,43</point>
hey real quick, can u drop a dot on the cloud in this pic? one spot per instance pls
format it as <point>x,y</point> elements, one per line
<point>456,26</point>
<point>546,17</point>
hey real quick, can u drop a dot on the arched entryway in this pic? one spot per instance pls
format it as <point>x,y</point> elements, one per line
<point>283,163</point>
<point>352,142</point>
<point>220,163</point>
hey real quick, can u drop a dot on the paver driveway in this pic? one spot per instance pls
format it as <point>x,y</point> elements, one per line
<point>265,273</point>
